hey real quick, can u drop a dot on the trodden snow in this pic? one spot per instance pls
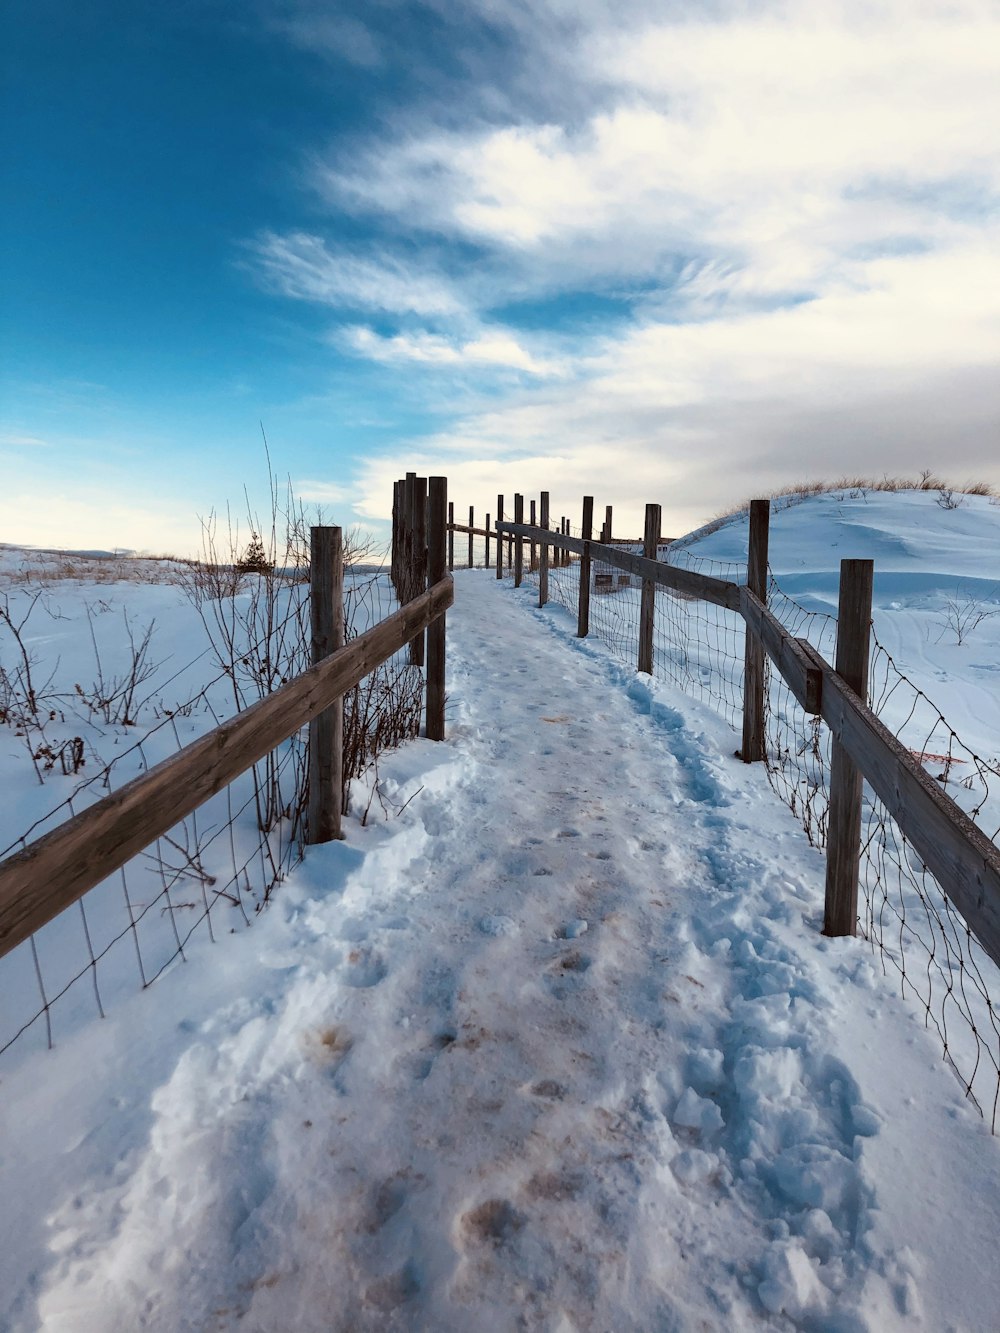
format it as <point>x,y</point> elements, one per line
<point>558,1046</point>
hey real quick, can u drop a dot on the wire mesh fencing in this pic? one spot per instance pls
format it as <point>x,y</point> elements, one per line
<point>215,870</point>
<point>912,927</point>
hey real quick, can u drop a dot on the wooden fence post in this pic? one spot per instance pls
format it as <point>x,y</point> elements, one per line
<point>326,731</point>
<point>451,536</point>
<point>438,497</point>
<point>650,541</point>
<point>499,538</point>
<point>533,562</point>
<point>406,546</point>
<point>843,840</point>
<point>472,524</point>
<point>753,673</point>
<point>583,613</point>
<point>564,553</point>
<point>519,547</point>
<point>418,559</point>
<point>543,552</point>
<point>397,487</point>
<point>607,524</point>
<point>486,529</point>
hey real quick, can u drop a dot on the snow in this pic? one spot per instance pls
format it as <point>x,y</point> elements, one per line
<point>557,1046</point>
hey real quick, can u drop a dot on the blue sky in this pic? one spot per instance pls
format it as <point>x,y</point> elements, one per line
<point>655,251</point>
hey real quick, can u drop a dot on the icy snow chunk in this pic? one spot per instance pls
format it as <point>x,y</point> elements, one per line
<point>704,1068</point>
<point>771,1075</point>
<point>814,1175</point>
<point>790,1282</point>
<point>866,1120</point>
<point>693,1166</point>
<point>498,925</point>
<point>573,929</point>
<point>698,1113</point>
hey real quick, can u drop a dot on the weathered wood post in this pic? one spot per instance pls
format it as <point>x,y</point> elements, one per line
<point>753,674</point>
<point>406,544</point>
<point>583,613</point>
<point>533,562</point>
<point>326,731</point>
<point>396,535</point>
<point>543,552</point>
<point>418,559</point>
<point>564,529</point>
<point>438,497</point>
<point>499,538</point>
<point>647,606</point>
<point>519,546</point>
<point>843,841</point>
<point>486,558</point>
<point>607,525</point>
<point>451,536</point>
<point>472,524</point>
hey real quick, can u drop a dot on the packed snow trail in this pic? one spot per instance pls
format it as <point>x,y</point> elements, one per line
<point>558,1047</point>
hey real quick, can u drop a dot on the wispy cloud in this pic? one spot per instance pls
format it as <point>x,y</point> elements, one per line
<point>302,266</point>
<point>803,200</point>
<point>15,440</point>
<point>492,348</point>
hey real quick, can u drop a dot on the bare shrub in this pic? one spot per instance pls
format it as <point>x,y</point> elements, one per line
<point>964,613</point>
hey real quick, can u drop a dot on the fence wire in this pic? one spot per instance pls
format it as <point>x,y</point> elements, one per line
<point>214,871</point>
<point>913,929</point>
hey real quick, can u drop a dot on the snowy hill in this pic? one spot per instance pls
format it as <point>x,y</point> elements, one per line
<point>553,1041</point>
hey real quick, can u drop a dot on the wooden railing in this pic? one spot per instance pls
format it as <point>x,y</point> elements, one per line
<point>52,873</point>
<point>965,863</point>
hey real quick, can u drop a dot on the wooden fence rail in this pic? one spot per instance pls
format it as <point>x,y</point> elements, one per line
<point>965,863</point>
<point>52,873</point>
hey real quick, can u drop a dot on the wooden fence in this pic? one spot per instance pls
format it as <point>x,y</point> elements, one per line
<point>52,873</point>
<point>965,863</point>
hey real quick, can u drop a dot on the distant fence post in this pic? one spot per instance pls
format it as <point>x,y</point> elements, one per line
<point>650,541</point>
<point>451,536</point>
<point>533,563</point>
<point>486,558</point>
<point>472,524</point>
<point>418,559</point>
<point>519,543</point>
<point>843,842</point>
<point>564,529</point>
<point>438,497</point>
<point>543,553</point>
<point>583,614</point>
<point>607,524</point>
<point>753,675</point>
<point>499,538</point>
<point>326,731</point>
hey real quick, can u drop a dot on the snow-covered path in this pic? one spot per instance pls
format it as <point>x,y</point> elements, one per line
<point>559,1048</point>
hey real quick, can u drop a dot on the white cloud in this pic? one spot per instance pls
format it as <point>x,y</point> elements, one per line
<point>15,440</point>
<point>321,492</point>
<point>300,265</point>
<point>806,198</point>
<point>494,348</point>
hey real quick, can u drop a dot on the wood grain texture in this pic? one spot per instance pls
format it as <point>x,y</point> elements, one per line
<point>326,730</point>
<point>650,540</point>
<point>50,874</point>
<point>583,609</point>
<point>803,677</point>
<point>753,743</point>
<point>543,551</point>
<point>843,838</point>
<point>437,494</point>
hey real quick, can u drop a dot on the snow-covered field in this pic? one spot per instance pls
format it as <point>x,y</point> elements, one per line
<point>557,1044</point>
